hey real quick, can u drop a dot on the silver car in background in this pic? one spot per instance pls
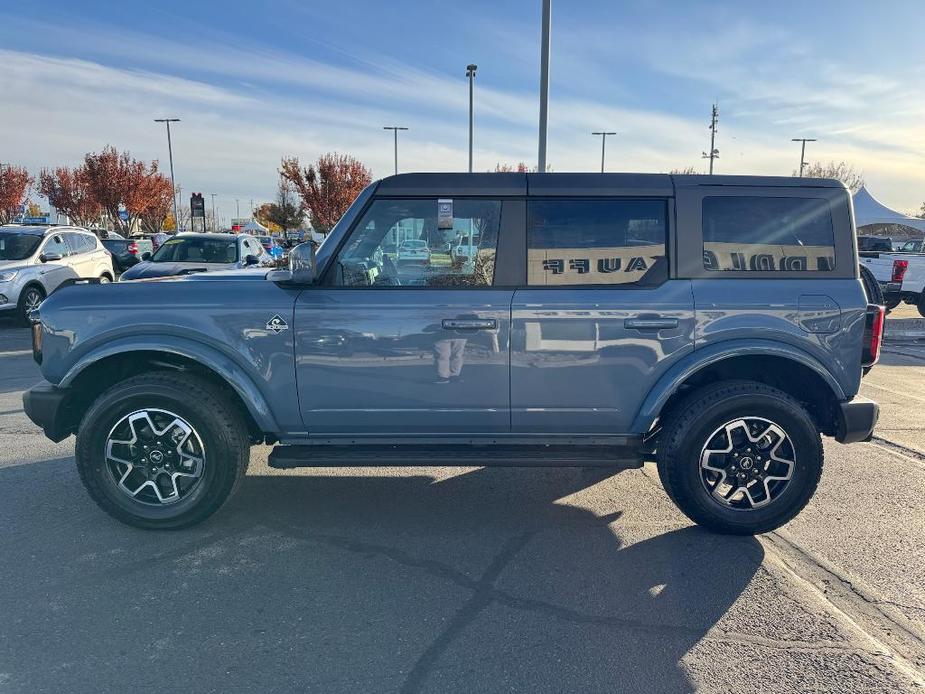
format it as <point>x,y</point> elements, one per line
<point>190,253</point>
<point>35,260</point>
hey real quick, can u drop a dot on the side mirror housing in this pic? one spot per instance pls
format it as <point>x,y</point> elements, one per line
<point>302,270</point>
<point>146,255</point>
<point>251,260</point>
<point>50,257</point>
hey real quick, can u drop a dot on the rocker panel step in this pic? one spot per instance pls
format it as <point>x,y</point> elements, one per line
<point>501,455</point>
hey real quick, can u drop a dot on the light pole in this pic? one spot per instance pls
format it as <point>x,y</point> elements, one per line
<point>714,153</point>
<point>237,208</point>
<point>214,220</point>
<point>603,145</point>
<point>544,83</point>
<point>470,73</point>
<point>395,129</point>
<point>804,140</point>
<point>173,183</point>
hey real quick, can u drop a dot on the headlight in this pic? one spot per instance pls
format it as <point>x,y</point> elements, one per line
<point>8,275</point>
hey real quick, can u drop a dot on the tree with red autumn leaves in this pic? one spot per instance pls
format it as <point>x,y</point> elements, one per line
<point>110,181</point>
<point>116,181</point>
<point>68,192</point>
<point>14,185</point>
<point>327,187</point>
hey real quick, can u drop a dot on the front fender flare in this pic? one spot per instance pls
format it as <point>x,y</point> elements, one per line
<point>213,359</point>
<point>699,359</point>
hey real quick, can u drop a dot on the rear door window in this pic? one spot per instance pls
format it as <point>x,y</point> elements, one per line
<point>601,242</point>
<point>764,234</point>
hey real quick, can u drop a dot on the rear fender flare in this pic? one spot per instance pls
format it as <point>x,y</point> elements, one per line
<point>699,359</point>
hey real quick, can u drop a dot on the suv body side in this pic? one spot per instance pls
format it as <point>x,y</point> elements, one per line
<point>361,360</point>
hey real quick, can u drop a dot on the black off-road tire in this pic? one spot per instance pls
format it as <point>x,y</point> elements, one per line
<point>920,304</point>
<point>871,287</point>
<point>687,429</point>
<point>219,424</point>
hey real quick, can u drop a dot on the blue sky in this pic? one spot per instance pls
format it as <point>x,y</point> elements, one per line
<point>256,81</point>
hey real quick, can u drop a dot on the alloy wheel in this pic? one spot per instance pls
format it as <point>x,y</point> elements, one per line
<point>155,457</point>
<point>747,463</point>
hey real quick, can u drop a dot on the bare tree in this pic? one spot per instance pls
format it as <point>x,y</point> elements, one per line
<point>842,171</point>
<point>686,171</point>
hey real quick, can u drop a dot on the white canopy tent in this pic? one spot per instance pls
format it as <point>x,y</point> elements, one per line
<point>255,228</point>
<point>869,210</point>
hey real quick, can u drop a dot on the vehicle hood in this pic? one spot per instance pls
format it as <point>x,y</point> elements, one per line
<point>147,269</point>
<point>13,265</point>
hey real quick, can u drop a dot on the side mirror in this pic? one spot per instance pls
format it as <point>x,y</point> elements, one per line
<point>146,255</point>
<point>251,260</point>
<point>301,270</point>
<point>50,257</point>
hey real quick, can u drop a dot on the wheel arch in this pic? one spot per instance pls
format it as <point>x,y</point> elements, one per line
<point>98,370</point>
<point>785,367</point>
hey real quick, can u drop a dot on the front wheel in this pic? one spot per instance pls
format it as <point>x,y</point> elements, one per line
<point>30,299</point>
<point>739,457</point>
<point>162,451</point>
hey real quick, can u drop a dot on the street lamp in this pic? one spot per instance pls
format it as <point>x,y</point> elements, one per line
<point>804,140</point>
<point>544,83</point>
<point>470,73</point>
<point>214,221</point>
<point>603,145</point>
<point>395,129</point>
<point>173,184</point>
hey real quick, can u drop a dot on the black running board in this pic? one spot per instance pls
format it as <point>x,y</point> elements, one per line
<point>416,455</point>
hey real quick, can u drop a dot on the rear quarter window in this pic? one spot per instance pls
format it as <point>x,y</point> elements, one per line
<point>765,234</point>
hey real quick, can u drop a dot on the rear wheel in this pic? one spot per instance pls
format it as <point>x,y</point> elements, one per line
<point>29,299</point>
<point>163,450</point>
<point>920,305</point>
<point>739,457</point>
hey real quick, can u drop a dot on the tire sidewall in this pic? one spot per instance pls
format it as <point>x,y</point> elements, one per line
<point>21,312</point>
<point>807,451</point>
<point>219,469</point>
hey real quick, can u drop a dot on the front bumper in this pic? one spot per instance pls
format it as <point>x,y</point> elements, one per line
<point>46,406</point>
<point>856,420</point>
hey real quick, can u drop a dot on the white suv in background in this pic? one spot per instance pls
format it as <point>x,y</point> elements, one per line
<point>35,260</point>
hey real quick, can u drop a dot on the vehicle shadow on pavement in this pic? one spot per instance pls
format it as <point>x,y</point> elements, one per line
<point>489,580</point>
<point>550,596</point>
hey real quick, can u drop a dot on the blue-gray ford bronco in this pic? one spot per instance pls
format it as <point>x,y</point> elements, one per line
<point>716,325</point>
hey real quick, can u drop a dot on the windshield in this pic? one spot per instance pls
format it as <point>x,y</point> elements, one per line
<point>197,250</point>
<point>18,246</point>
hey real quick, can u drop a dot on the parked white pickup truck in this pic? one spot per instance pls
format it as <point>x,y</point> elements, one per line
<point>901,274</point>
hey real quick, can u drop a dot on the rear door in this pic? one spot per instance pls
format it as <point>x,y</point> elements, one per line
<point>400,349</point>
<point>601,318</point>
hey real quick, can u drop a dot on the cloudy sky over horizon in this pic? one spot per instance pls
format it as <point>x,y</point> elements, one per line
<point>257,82</point>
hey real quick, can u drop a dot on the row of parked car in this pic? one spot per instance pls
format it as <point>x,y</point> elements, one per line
<point>35,260</point>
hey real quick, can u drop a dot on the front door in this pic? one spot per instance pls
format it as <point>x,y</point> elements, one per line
<point>600,320</point>
<point>401,339</point>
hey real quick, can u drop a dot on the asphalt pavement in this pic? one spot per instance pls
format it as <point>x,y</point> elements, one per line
<point>465,580</point>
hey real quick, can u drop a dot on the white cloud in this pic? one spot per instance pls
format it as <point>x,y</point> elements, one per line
<point>244,106</point>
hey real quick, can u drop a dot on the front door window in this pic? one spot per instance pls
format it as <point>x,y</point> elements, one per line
<point>422,243</point>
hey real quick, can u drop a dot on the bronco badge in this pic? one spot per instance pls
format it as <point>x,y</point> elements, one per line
<point>276,324</point>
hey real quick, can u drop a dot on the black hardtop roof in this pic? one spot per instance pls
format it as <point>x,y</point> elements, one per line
<point>521,184</point>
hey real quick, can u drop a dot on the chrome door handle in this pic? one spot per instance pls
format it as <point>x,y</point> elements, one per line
<point>650,323</point>
<point>469,324</point>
